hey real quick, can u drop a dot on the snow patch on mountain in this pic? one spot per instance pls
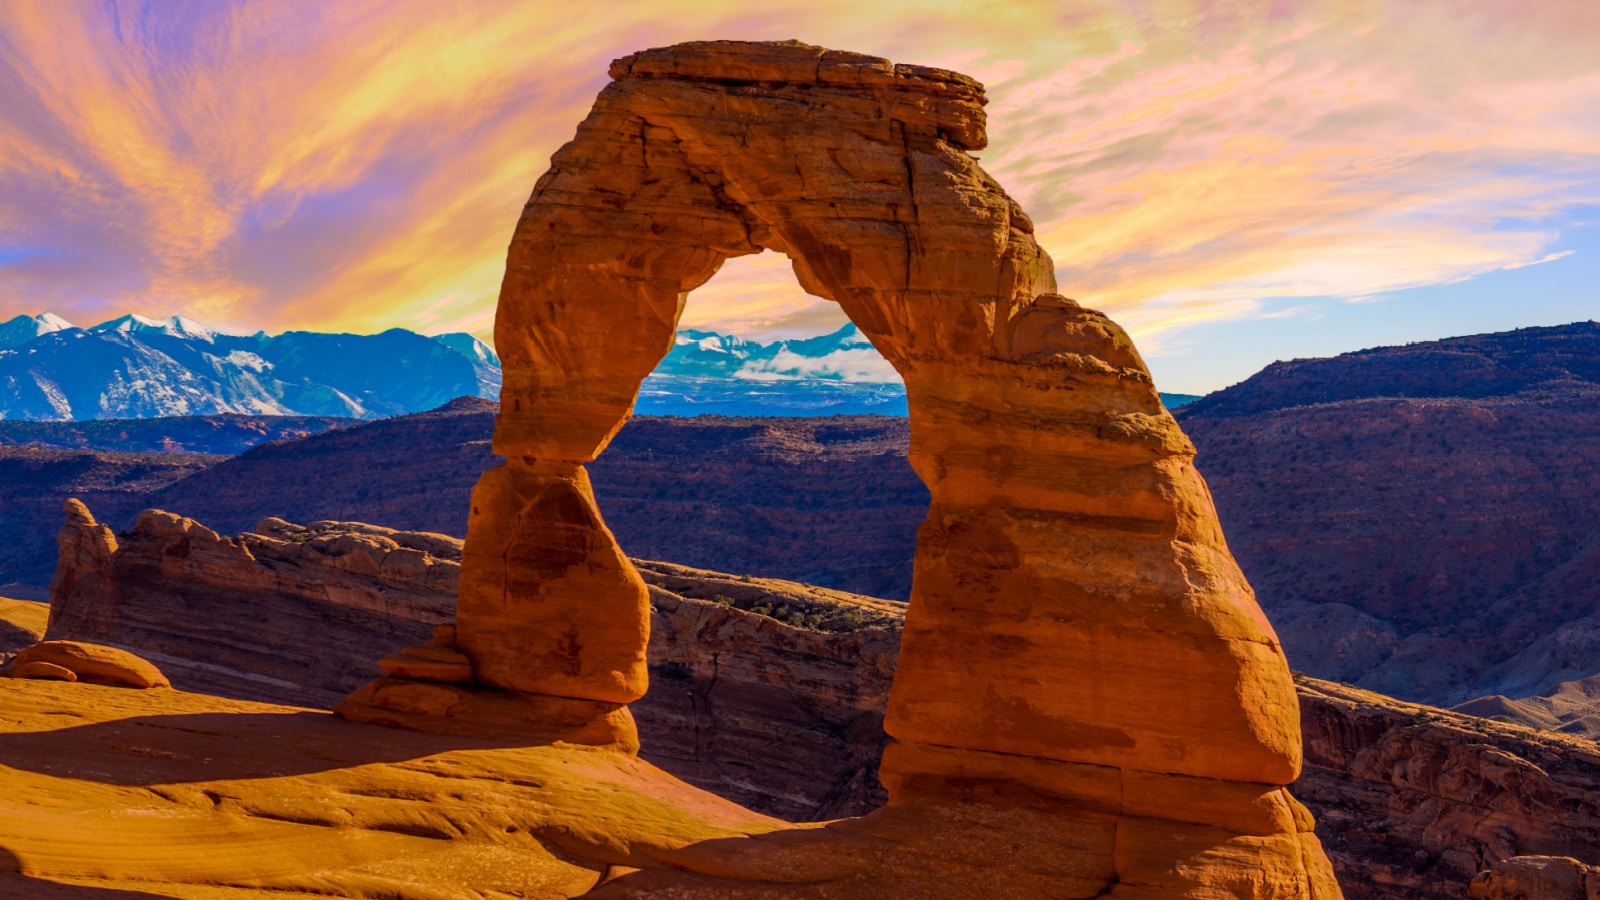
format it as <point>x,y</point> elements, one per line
<point>862,366</point>
<point>172,326</point>
<point>23,329</point>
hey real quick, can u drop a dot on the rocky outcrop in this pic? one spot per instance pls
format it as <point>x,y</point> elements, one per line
<point>1078,632</point>
<point>40,669</point>
<point>1537,878</point>
<point>22,622</point>
<point>78,661</point>
<point>35,482</point>
<point>287,612</point>
<point>770,693</point>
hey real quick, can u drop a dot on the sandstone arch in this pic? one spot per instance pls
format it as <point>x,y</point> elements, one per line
<point>1077,628</point>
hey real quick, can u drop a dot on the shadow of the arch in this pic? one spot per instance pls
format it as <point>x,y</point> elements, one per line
<point>197,747</point>
<point>13,883</point>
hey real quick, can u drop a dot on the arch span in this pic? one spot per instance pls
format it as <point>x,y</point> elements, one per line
<point>1077,627</point>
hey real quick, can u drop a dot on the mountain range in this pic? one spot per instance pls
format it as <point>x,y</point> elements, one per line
<point>135,367</point>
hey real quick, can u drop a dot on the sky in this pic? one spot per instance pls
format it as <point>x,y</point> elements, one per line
<point>1234,182</point>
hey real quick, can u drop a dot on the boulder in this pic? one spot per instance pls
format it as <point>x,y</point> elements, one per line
<point>1537,878</point>
<point>94,662</point>
<point>43,670</point>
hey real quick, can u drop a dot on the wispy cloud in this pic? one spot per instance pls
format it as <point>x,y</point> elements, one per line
<point>360,165</point>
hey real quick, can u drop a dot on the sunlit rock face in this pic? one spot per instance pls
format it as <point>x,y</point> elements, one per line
<point>1078,634</point>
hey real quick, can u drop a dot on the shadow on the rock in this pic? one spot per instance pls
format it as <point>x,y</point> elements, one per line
<point>194,747</point>
<point>14,884</point>
<point>15,637</point>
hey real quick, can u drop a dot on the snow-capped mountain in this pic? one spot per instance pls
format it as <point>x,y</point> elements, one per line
<point>172,326</point>
<point>710,373</point>
<point>845,355</point>
<point>139,367</point>
<point>23,329</point>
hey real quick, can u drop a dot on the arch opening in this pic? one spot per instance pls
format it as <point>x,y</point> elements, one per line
<point>771,515</point>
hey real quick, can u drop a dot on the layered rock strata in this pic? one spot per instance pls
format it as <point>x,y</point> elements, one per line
<point>287,612</point>
<point>1414,802</point>
<point>1070,568</point>
<point>1419,520</point>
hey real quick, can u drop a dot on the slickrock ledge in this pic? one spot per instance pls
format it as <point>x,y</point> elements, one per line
<point>1078,639</point>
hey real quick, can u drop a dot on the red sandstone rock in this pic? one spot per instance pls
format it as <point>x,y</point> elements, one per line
<point>430,662</point>
<point>93,662</point>
<point>289,612</point>
<point>1077,627</point>
<point>45,670</point>
<point>1537,878</point>
<point>83,591</point>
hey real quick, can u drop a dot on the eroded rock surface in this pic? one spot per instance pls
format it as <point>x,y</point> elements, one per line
<point>1419,520</point>
<point>287,612</point>
<point>1413,802</point>
<point>1537,878</point>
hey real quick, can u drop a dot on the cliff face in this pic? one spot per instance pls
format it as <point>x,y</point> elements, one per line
<point>282,613</point>
<point>772,694</point>
<point>1438,545</point>
<point>1414,518</point>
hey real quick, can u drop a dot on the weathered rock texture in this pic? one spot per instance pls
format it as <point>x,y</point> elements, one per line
<point>829,501</point>
<point>34,482</point>
<point>1413,802</point>
<point>1537,878</point>
<point>286,612</point>
<point>22,623</point>
<point>1077,629</point>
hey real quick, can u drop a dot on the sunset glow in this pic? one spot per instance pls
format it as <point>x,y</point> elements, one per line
<point>360,165</point>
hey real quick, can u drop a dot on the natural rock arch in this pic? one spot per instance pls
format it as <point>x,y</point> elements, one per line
<point>1077,627</point>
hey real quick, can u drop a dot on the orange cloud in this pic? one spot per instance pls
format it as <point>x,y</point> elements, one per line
<point>360,165</point>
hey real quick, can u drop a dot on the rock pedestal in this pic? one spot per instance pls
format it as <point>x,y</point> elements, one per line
<point>1078,633</point>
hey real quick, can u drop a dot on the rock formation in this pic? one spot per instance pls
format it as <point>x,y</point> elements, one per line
<point>286,612</point>
<point>1537,878</point>
<point>1077,632</point>
<point>79,661</point>
<point>22,622</point>
<point>769,693</point>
